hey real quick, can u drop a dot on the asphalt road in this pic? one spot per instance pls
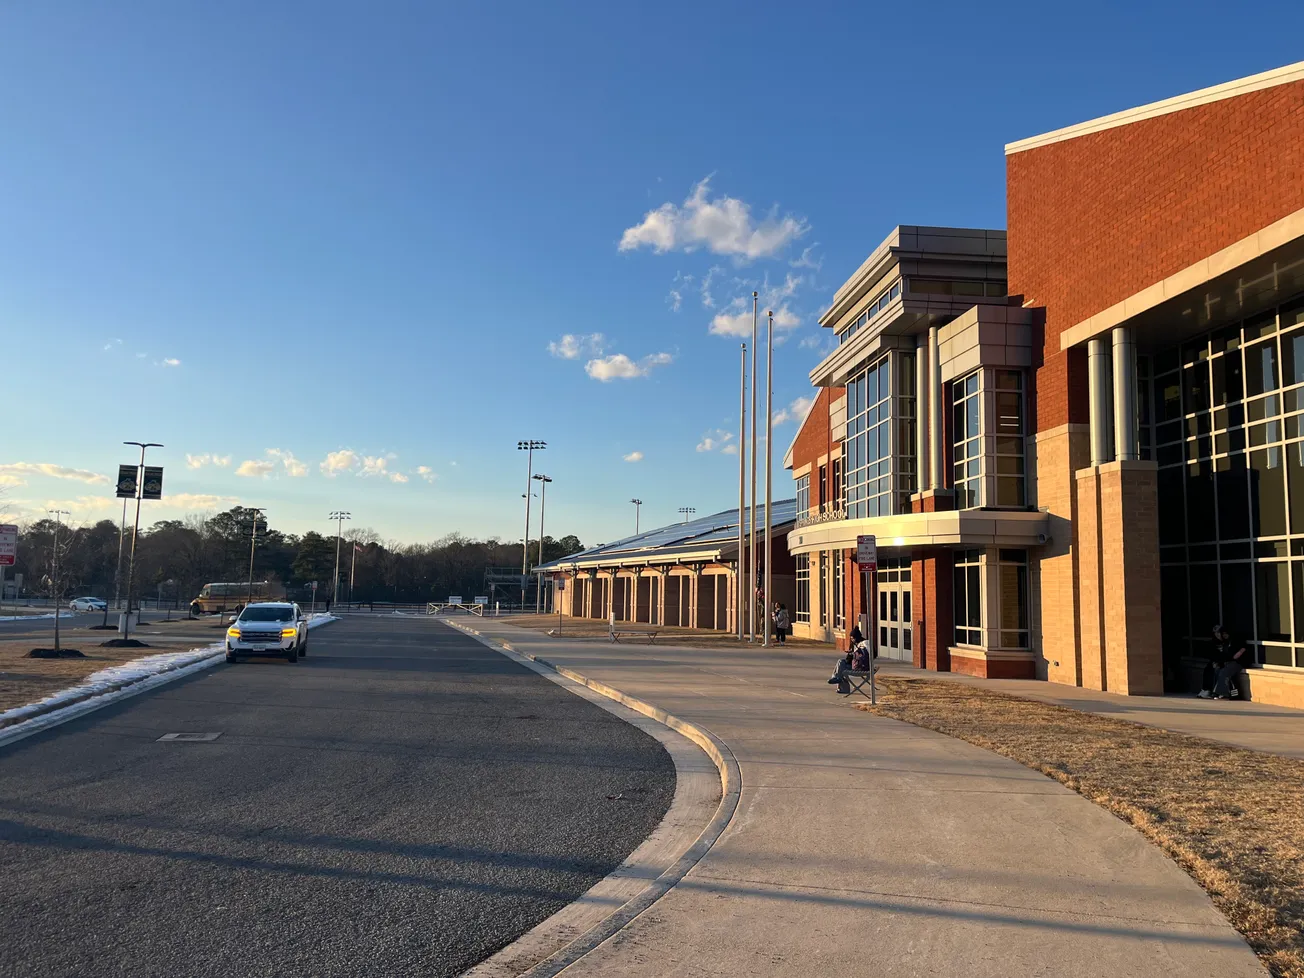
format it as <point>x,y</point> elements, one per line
<point>403,801</point>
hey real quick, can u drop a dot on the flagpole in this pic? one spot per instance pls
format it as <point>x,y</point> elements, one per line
<point>751,536</point>
<point>742,493</point>
<point>769,467</point>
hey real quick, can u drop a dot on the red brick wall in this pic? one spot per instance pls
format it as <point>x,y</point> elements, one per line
<point>815,440</point>
<point>1097,218</point>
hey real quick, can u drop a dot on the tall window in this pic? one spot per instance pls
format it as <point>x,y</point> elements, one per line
<point>966,442</point>
<point>837,483</point>
<point>822,490</point>
<point>880,471</point>
<point>1013,570</point>
<point>801,610</point>
<point>968,591</point>
<point>839,614</point>
<point>1008,444</point>
<point>824,589</point>
<point>1227,412</point>
<point>803,495</point>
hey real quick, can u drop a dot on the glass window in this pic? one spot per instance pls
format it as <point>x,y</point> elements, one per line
<point>966,443</point>
<point>1008,444</point>
<point>1261,368</point>
<point>1272,593</point>
<point>801,606</point>
<point>839,615</point>
<point>1267,492</point>
<point>967,590</point>
<point>803,496</point>
<point>873,462</point>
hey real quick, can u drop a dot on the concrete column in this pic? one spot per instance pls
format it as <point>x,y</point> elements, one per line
<point>663,580</point>
<point>692,597</point>
<point>923,462</point>
<point>936,413</point>
<point>1099,413</point>
<point>1125,418</point>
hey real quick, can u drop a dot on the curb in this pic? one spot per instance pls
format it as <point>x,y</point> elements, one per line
<point>730,790</point>
<point>54,714</point>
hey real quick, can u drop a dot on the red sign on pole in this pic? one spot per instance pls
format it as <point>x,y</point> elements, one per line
<point>8,545</point>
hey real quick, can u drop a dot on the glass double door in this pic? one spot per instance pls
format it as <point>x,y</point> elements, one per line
<point>895,634</point>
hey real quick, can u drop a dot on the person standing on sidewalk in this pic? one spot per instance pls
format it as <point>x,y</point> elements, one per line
<point>781,622</point>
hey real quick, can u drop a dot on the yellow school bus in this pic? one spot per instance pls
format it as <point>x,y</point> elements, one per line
<point>234,596</point>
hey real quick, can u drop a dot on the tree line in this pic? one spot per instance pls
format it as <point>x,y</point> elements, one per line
<point>175,558</point>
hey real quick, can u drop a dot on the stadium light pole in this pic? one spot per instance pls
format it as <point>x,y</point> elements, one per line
<point>769,467</point>
<point>339,516</point>
<point>258,511</point>
<point>751,533</point>
<point>685,512</point>
<point>638,504</point>
<point>543,505</point>
<point>54,571</point>
<point>135,530</point>
<point>529,446</point>
<point>741,601</point>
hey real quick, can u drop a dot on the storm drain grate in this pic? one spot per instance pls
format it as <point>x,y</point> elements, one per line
<point>192,737</point>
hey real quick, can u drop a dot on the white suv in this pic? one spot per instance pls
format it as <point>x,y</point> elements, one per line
<point>269,628</point>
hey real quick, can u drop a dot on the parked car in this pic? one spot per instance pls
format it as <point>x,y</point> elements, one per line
<point>87,604</point>
<point>276,628</point>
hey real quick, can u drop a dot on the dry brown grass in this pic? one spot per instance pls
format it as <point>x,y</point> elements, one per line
<point>581,628</point>
<point>24,680</point>
<point>1232,818</point>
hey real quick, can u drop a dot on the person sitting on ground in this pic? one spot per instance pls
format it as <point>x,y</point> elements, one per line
<point>1236,657</point>
<point>1217,657</point>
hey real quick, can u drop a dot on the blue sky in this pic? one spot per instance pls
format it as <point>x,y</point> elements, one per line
<point>341,251</point>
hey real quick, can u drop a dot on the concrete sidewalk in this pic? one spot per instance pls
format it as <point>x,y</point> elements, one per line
<point>1256,726</point>
<point>864,846</point>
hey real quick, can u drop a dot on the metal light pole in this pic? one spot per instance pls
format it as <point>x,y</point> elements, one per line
<point>339,516</point>
<point>117,574</point>
<point>769,466</point>
<point>54,571</point>
<point>353,567</point>
<point>543,504</point>
<point>638,504</point>
<point>685,512</point>
<point>253,541</point>
<point>528,446</point>
<point>135,530</point>
<point>751,533</point>
<point>741,601</point>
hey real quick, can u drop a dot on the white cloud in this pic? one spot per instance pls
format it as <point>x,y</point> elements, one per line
<point>336,462</point>
<point>255,469</point>
<point>54,472</point>
<point>634,457</point>
<point>736,319</point>
<point>795,411</point>
<point>427,473</point>
<point>729,450</point>
<point>708,300</point>
<point>620,367</point>
<point>378,465</point>
<point>11,480</point>
<point>293,467</point>
<point>675,300</point>
<point>572,346</point>
<point>715,440</point>
<point>199,461</point>
<point>806,261</point>
<point>723,225</point>
<point>84,506</point>
<point>170,362</point>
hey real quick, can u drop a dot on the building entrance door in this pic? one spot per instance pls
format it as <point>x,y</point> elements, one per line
<point>895,634</point>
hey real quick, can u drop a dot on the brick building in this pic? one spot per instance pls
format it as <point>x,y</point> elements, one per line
<point>1080,443</point>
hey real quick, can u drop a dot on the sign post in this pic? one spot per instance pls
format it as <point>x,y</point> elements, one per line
<point>559,594</point>
<point>867,561</point>
<point>8,557</point>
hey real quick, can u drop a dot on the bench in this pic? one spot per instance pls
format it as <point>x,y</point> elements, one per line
<point>857,680</point>
<point>650,633</point>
